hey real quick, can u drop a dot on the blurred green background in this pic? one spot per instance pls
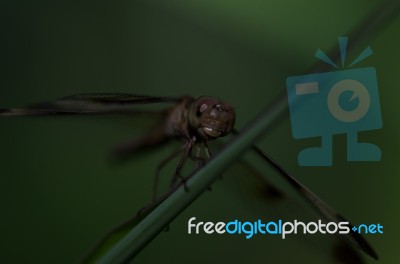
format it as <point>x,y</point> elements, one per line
<point>58,194</point>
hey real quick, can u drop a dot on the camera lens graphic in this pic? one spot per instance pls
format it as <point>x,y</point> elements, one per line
<point>359,91</point>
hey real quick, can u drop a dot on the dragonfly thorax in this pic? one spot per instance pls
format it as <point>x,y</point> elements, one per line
<point>211,118</point>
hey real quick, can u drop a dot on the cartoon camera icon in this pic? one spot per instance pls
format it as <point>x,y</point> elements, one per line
<point>325,104</point>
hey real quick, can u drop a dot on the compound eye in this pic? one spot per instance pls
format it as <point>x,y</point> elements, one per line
<point>201,109</point>
<point>198,109</point>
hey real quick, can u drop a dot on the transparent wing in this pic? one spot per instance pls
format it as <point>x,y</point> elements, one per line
<point>89,103</point>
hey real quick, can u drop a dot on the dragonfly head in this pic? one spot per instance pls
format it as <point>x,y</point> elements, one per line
<point>211,117</point>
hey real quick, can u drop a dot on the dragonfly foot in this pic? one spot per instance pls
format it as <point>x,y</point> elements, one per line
<point>185,185</point>
<point>182,181</point>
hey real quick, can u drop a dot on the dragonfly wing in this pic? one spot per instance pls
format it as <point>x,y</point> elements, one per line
<point>153,138</point>
<point>89,103</point>
<point>117,98</point>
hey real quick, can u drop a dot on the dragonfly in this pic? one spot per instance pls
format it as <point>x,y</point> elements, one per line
<point>193,121</point>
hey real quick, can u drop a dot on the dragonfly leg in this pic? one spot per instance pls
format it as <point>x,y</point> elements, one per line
<point>197,158</point>
<point>208,154</point>
<point>186,153</point>
<point>207,150</point>
<point>159,168</point>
